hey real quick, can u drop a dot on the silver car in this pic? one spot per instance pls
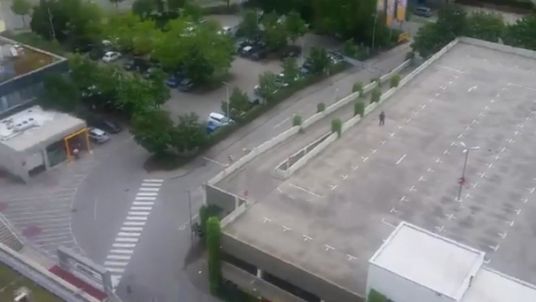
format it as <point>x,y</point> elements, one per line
<point>99,136</point>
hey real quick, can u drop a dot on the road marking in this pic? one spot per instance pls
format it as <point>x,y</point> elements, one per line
<point>503,235</point>
<point>438,160</point>
<point>281,123</point>
<point>266,219</point>
<point>153,180</point>
<point>151,184</point>
<point>412,189</point>
<point>136,218</point>
<point>525,200</point>
<point>451,216</point>
<point>518,211</point>
<point>328,247</point>
<point>118,257</point>
<point>307,238</point>
<point>122,239</point>
<point>388,223</point>
<point>115,270</point>
<point>482,174</point>
<point>150,189</point>
<point>373,151</point>
<point>132,229</point>
<point>401,158</point>
<point>475,185</point>
<point>123,245</point>
<point>364,158</point>
<point>286,228</point>
<point>392,134</point>
<point>214,161</point>
<point>115,263</point>
<point>142,223</point>
<point>129,234</point>
<point>429,170</point>
<point>421,178</point>
<point>141,208</point>
<point>394,211</point>
<point>437,94</point>
<point>145,198</point>
<point>138,213</point>
<point>147,194</point>
<point>490,165</point>
<point>472,88</point>
<point>143,203</point>
<point>446,152</point>
<point>531,190</point>
<point>121,251</point>
<point>304,190</point>
<point>333,187</point>
<point>403,198</point>
<point>383,142</point>
<point>495,248</point>
<point>440,228</point>
<point>460,135</point>
<point>345,176</point>
<point>355,167</point>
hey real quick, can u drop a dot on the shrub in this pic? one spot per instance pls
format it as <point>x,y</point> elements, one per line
<point>395,80</point>
<point>359,108</point>
<point>375,95</point>
<point>336,126</point>
<point>296,120</point>
<point>375,296</point>
<point>358,87</point>
<point>410,55</point>
<point>214,261</point>
<point>320,107</point>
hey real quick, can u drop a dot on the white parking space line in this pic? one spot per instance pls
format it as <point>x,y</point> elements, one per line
<point>304,190</point>
<point>401,159</point>
<point>151,184</point>
<point>115,270</point>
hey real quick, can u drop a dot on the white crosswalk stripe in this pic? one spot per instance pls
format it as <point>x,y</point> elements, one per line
<point>127,238</point>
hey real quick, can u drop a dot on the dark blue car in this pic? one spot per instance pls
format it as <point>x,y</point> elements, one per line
<point>172,81</point>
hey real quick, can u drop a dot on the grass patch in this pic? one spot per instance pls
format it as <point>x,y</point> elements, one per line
<point>10,281</point>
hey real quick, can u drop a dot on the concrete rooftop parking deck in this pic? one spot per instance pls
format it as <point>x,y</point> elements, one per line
<point>333,214</point>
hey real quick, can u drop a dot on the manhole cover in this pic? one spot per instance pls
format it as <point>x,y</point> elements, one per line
<point>31,231</point>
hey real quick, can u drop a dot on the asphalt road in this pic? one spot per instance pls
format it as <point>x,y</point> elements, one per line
<point>155,266</point>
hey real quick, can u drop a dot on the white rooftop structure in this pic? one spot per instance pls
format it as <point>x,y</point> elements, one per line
<point>434,268</point>
<point>34,125</point>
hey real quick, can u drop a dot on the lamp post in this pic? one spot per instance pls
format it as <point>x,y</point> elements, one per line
<point>374,30</point>
<point>461,180</point>
<point>227,101</point>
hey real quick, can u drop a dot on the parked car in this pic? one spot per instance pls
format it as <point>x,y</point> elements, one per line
<point>107,125</point>
<point>172,81</point>
<point>218,119</point>
<point>259,53</point>
<point>149,72</point>
<point>335,57</point>
<point>186,85</point>
<point>246,51</point>
<point>110,56</point>
<point>99,136</point>
<point>291,51</point>
<point>423,11</point>
<point>129,64</point>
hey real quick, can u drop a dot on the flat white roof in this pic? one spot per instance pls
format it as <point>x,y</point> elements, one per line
<point>32,126</point>
<point>440,264</point>
<point>492,286</point>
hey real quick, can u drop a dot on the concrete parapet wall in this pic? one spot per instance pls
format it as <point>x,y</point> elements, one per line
<point>531,54</point>
<point>297,276</point>
<point>228,202</point>
<point>310,155</point>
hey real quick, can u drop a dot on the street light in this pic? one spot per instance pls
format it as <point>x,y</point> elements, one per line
<point>374,30</point>
<point>227,101</point>
<point>461,180</point>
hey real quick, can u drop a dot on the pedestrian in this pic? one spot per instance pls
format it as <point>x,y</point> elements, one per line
<point>382,118</point>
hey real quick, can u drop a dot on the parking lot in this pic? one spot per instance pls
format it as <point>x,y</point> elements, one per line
<point>330,216</point>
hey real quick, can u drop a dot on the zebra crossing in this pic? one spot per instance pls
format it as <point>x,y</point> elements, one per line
<point>132,228</point>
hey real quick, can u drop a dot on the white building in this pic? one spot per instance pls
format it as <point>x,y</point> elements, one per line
<point>34,140</point>
<point>414,264</point>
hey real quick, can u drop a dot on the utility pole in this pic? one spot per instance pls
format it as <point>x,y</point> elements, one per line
<point>461,180</point>
<point>374,30</point>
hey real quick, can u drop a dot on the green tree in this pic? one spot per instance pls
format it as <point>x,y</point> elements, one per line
<point>359,108</point>
<point>214,258</point>
<point>522,33</point>
<point>74,22</point>
<point>249,26</point>
<point>453,20</point>
<point>319,60</point>
<point>175,5</point>
<point>290,70</point>
<point>21,8</point>
<point>116,3</point>
<point>188,135</point>
<point>132,33</point>
<point>239,103</point>
<point>295,26</point>
<point>153,130</point>
<point>144,8</point>
<point>267,85</point>
<point>394,81</point>
<point>60,93</point>
<point>485,26</point>
<point>275,31</point>
<point>430,38</point>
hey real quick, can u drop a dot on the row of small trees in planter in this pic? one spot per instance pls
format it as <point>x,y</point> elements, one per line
<point>359,104</point>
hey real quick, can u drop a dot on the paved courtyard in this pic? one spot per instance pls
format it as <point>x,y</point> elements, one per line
<point>333,214</point>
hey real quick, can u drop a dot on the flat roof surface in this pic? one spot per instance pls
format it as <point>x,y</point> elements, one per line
<point>17,59</point>
<point>34,125</point>
<point>492,286</point>
<point>430,260</point>
<point>332,215</point>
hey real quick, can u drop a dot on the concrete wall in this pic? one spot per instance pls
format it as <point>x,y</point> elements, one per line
<point>218,197</point>
<point>327,291</point>
<point>399,289</point>
<point>531,54</point>
<point>12,162</point>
